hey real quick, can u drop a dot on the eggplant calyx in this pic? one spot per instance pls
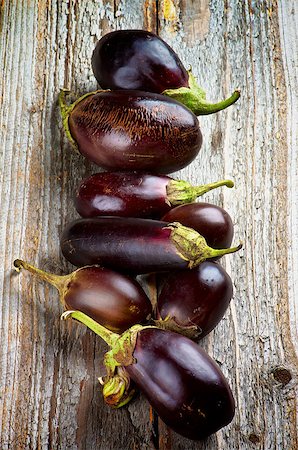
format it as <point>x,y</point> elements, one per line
<point>194,98</point>
<point>66,110</point>
<point>192,246</point>
<point>180,192</point>
<point>117,390</point>
<point>169,323</point>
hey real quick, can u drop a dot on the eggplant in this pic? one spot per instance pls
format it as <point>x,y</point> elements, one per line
<point>212,221</point>
<point>135,245</point>
<point>135,194</point>
<point>132,130</point>
<point>141,60</point>
<point>181,382</point>
<point>192,302</point>
<point>110,298</point>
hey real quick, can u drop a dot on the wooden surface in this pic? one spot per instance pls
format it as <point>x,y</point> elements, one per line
<point>50,397</point>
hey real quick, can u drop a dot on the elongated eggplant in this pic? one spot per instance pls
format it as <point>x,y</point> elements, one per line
<point>132,130</point>
<point>212,221</point>
<point>192,302</point>
<point>110,298</point>
<point>135,245</point>
<point>181,382</point>
<point>135,194</point>
<point>138,59</point>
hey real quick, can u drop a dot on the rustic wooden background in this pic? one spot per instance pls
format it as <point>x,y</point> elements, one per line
<point>49,395</point>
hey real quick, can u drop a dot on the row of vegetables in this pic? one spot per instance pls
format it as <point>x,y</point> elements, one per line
<point>138,220</point>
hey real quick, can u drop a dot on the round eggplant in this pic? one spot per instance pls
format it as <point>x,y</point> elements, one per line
<point>132,130</point>
<point>213,222</point>
<point>141,60</point>
<point>192,302</point>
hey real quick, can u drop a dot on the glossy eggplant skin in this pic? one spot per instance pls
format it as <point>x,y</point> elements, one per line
<point>211,221</point>
<point>114,300</point>
<point>134,130</point>
<point>182,383</point>
<point>197,297</point>
<point>123,194</point>
<point>125,244</point>
<point>137,59</point>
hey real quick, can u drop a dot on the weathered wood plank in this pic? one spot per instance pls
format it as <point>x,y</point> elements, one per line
<point>49,394</point>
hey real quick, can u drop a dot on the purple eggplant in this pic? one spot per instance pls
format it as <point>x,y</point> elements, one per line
<point>135,245</point>
<point>211,221</point>
<point>114,300</point>
<point>138,59</point>
<point>192,302</point>
<point>132,130</point>
<point>135,194</point>
<point>181,382</point>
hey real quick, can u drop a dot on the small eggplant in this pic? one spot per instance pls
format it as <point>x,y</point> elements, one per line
<point>135,245</point>
<point>132,130</point>
<point>135,194</point>
<point>138,59</point>
<point>181,382</point>
<point>213,222</point>
<point>192,302</point>
<point>114,300</point>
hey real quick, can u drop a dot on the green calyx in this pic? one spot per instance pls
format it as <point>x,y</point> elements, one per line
<point>116,385</point>
<point>180,192</point>
<point>192,247</point>
<point>117,390</point>
<point>194,98</point>
<point>66,110</point>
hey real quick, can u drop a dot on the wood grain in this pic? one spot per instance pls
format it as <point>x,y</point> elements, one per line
<point>50,397</point>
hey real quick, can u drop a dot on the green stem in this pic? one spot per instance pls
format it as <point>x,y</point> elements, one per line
<point>213,253</point>
<point>200,190</point>
<point>58,281</point>
<point>194,98</point>
<point>64,108</point>
<point>205,107</point>
<point>108,336</point>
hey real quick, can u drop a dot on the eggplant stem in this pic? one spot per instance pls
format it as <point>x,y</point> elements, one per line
<point>221,252</point>
<point>194,97</point>
<point>108,336</point>
<point>56,280</point>
<point>202,189</point>
<point>210,108</point>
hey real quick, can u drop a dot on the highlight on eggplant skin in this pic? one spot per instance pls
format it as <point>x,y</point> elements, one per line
<point>132,130</point>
